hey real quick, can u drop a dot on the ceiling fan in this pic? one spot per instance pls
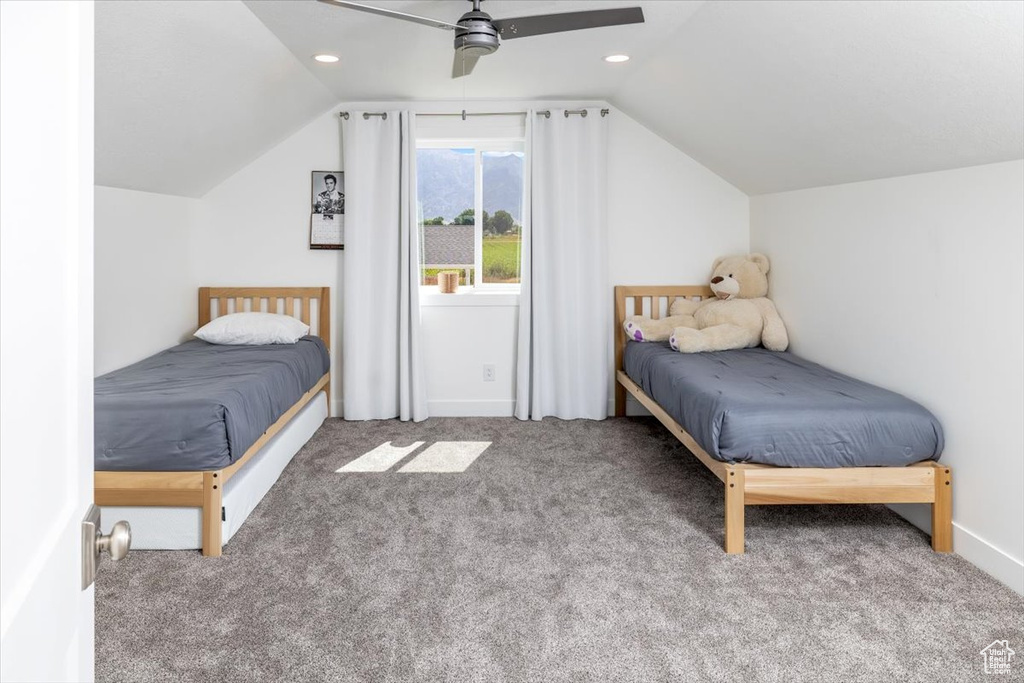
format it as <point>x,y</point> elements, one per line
<point>476,34</point>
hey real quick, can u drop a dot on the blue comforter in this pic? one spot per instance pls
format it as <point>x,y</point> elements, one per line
<point>755,405</point>
<point>199,406</point>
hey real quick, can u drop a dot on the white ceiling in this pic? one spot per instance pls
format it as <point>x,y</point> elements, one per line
<point>778,96</point>
<point>189,92</point>
<point>388,59</point>
<point>771,95</point>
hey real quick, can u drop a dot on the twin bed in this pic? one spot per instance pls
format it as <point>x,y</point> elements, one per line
<point>188,441</point>
<point>777,429</point>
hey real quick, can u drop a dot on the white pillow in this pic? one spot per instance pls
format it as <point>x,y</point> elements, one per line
<point>253,329</point>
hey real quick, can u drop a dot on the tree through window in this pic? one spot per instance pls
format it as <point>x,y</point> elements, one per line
<point>470,199</point>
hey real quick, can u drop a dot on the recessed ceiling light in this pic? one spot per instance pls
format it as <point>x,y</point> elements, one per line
<point>326,59</point>
<point>615,59</point>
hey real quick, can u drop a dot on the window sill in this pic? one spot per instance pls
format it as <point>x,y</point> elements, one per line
<point>467,296</point>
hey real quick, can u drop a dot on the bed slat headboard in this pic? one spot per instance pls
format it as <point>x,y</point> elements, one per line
<point>297,302</point>
<point>655,297</point>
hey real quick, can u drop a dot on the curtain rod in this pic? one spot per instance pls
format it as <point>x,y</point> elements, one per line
<point>546,113</point>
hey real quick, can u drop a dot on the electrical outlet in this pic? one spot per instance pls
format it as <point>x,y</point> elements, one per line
<point>488,372</point>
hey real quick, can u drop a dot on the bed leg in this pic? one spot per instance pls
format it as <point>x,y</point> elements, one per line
<point>942,511</point>
<point>734,509</point>
<point>620,400</point>
<point>212,504</point>
<point>327,393</point>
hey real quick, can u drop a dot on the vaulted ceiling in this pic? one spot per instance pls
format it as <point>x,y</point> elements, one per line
<point>771,95</point>
<point>780,96</point>
<point>188,92</point>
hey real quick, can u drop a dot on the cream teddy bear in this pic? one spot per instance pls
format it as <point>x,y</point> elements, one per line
<point>740,316</point>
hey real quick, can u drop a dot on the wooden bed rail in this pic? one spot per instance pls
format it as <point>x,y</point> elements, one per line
<point>195,488</point>
<point>298,303</point>
<point>652,300</point>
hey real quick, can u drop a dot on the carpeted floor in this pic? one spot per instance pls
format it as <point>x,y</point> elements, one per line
<point>569,551</point>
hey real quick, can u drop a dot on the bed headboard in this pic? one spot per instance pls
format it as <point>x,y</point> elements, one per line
<point>298,303</point>
<point>652,300</point>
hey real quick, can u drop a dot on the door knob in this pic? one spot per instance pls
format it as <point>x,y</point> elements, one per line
<point>118,542</point>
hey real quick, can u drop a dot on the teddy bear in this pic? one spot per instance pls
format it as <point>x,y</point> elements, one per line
<point>644,329</point>
<point>739,316</point>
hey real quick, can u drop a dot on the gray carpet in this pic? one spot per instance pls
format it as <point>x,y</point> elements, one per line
<point>569,551</point>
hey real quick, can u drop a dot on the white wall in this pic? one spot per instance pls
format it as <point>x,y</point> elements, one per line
<point>253,228</point>
<point>669,217</point>
<point>460,335</point>
<point>146,298</point>
<point>915,284</point>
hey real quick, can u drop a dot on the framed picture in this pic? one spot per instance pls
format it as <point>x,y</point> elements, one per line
<point>327,210</point>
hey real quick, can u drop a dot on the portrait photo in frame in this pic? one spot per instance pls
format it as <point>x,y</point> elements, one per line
<point>327,210</point>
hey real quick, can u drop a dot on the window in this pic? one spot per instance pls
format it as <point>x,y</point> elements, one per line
<point>470,196</point>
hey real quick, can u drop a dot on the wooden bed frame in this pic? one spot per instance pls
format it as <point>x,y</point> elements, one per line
<point>755,484</point>
<point>204,488</point>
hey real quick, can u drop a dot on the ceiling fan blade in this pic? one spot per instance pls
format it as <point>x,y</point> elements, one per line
<point>463,64</point>
<point>426,21</point>
<point>521,27</point>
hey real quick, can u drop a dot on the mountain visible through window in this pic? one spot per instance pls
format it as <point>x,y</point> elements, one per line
<point>471,211</point>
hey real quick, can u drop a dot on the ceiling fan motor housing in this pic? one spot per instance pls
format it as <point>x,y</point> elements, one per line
<point>476,35</point>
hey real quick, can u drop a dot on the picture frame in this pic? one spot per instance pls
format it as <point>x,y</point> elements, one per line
<point>327,210</point>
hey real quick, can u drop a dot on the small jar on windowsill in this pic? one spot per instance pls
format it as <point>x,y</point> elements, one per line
<point>448,281</point>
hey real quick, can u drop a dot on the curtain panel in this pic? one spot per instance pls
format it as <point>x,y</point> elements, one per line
<point>563,358</point>
<point>382,370</point>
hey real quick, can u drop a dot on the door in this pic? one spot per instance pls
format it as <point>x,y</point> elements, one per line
<point>46,177</point>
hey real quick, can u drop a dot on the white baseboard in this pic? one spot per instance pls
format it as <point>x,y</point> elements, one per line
<point>456,408</point>
<point>970,546</point>
<point>502,407</point>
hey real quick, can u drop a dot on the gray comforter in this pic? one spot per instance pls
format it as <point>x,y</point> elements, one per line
<point>199,406</point>
<point>755,405</point>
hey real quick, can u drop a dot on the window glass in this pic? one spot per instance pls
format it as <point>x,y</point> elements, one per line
<point>470,198</point>
<point>502,216</point>
<point>445,180</point>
